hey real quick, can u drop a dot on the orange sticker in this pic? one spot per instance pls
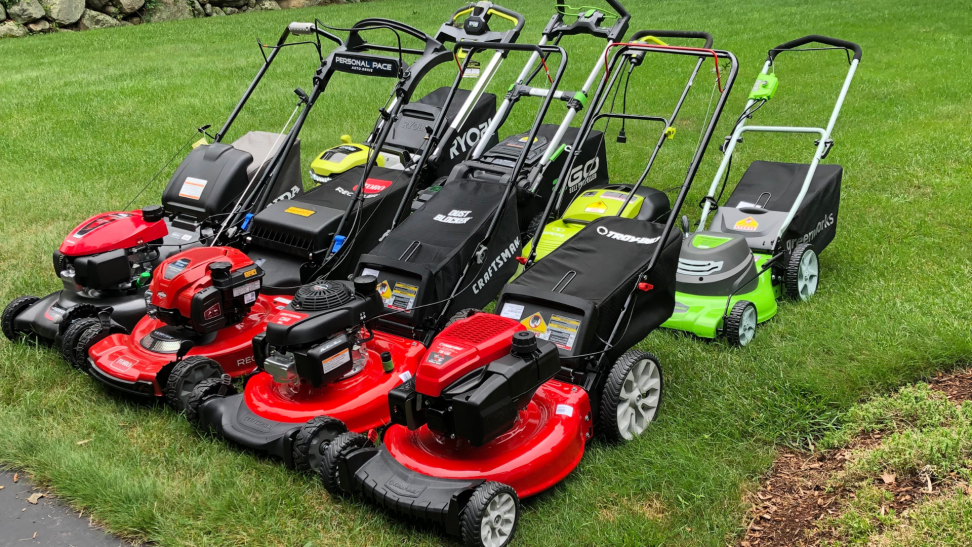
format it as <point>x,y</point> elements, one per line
<point>748,224</point>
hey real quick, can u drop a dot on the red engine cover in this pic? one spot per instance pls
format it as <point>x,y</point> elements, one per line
<point>463,347</point>
<point>111,231</point>
<point>181,276</point>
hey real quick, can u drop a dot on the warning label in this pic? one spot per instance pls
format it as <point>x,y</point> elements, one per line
<point>335,361</point>
<point>562,331</point>
<point>748,224</point>
<point>441,353</point>
<point>401,297</point>
<point>598,207</point>
<point>535,324</point>
<point>193,188</point>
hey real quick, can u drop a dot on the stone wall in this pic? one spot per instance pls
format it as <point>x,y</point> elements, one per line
<point>24,17</point>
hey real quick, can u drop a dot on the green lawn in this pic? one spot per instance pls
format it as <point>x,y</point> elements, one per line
<point>87,118</point>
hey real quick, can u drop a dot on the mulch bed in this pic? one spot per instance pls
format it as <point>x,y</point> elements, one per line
<point>794,496</point>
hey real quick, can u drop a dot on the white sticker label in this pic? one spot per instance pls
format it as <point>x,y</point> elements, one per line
<point>565,410</point>
<point>193,188</point>
<point>512,311</point>
<point>333,362</point>
<point>249,287</point>
<point>186,237</point>
<point>249,297</point>
<point>405,376</point>
<point>370,271</point>
<point>282,300</point>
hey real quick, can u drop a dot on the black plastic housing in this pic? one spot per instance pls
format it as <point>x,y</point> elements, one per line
<point>226,302</point>
<point>482,404</point>
<point>103,271</point>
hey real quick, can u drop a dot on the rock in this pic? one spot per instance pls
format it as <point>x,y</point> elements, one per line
<point>168,10</point>
<point>251,4</point>
<point>10,29</point>
<point>63,12</point>
<point>3,13</point>
<point>217,12</point>
<point>93,20</point>
<point>244,9</point>
<point>134,19</point>
<point>197,10</point>
<point>128,6</point>
<point>208,10</point>
<point>229,11</point>
<point>26,11</point>
<point>111,10</point>
<point>267,5</point>
<point>39,26</point>
<point>96,5</point>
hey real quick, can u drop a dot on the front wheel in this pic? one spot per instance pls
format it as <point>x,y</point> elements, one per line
<point>802,273</point>
<point>16,307</point>
<point>312,441</point>
<point>71,337</point>
<point>631,396</point>
<point>740,326</point>
<point>185,376</point>
<point>491,515</point>
<point>337,451</point>
<point>209,388</point>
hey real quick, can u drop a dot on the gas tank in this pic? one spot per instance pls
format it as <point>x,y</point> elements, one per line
<point>180,276</point>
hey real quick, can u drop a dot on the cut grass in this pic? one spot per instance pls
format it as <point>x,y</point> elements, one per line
<point>88,117</point>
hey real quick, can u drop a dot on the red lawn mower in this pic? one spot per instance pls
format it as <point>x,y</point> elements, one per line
<point>502,406</point>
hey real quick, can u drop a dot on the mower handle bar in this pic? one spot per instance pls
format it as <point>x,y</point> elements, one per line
<point>517,19</point>
<point>615,5</point>
<point>809,39</point>
<point>674,34</point>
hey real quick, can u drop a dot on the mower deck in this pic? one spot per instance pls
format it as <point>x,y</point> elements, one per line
<point>267,415</point>
<point>703,316</point>
<point>425,476</point>
<point>121,361</point>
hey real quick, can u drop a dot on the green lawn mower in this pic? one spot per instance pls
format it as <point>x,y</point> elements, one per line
<point>763,243</point>
<point>606,200</point>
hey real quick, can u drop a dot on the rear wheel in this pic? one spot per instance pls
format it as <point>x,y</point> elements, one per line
<point>631,396</point>
<point>740,327</point>
<point>312,441</point>
<point>462,314</point>
<point>16,307</point>
<point>69,341</point>
<point>185,376</point>
<point>490,516</point>
<point>802,273</point>
<point>337,451</point>
<point>204,391</point>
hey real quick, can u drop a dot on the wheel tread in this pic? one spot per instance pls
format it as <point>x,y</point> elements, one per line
<point>472,514</point>
<point>302,442</point>
<point>734,321</point>
<point>340,447</point>
<point>611,393</point>
<point>10,312</point>
<point>181,368</point>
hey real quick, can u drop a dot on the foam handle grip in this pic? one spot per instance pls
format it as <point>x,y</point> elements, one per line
<point>296,28</point>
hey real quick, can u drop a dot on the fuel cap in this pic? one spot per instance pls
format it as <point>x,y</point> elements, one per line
<point>524,342</point>
<point>153,213</point>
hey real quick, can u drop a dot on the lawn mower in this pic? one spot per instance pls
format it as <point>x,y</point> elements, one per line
<point>172,350</point>
<point>106,263</point>
<point>502,406</point>
<point>764,242</point>
<point>486,162</point>
<point>329,359</point>
<point>323,232</point>
<point>645,203</point>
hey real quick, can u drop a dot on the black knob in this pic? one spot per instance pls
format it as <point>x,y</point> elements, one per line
<point>365,284</point>
<point>153,213</point>
<point>524,342</point>
<point>220,270</point>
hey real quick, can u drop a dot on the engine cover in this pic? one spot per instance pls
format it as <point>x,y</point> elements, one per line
<point>204,289</point>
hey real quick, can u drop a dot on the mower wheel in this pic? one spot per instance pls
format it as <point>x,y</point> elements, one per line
<point>337,450</point>
<point>490,516</point>
<point>631,396</point>
<point>740,325</point>
<point>462,314</point>
<point>205,390</point>
<point>69,341</point>
<point>185,376</point>
<point>13,309</point>
<point>802,273</point>
<point>85,341</point>
<point>312,441</point>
